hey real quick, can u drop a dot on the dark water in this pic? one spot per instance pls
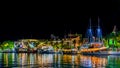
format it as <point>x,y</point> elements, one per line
<point>24,60</point>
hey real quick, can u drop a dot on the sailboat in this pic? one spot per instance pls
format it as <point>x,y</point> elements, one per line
<point>95,45</point>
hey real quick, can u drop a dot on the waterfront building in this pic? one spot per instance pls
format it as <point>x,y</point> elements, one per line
<point>72,40</point>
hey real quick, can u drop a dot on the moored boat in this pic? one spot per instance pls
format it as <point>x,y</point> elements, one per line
<point>100,51</point>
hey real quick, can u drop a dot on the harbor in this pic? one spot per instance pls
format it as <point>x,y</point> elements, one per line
<point>90,49</point>
<point>92,43</point>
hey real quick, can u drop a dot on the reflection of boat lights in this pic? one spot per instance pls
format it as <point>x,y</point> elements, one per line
<point>32,58</point>
<point>21,46</point>
<point>86,61</point>
<point>93,61</point>
<point>47,58</point>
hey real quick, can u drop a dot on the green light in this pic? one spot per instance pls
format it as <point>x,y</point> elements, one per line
<point>111,41</point>
<point>7,45</point>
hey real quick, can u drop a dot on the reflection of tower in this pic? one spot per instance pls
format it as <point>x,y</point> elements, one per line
<point>99,32</point>
<point>90,33</point>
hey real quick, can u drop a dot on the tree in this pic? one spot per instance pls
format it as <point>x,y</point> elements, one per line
<point>7,45</point>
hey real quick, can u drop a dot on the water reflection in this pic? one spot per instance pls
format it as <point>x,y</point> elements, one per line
<point>57,60</point>
<point>113,61</point>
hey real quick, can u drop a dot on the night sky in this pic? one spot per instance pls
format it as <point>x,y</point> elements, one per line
<point>59,20</point>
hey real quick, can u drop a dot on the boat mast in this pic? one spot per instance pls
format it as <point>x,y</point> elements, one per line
<point>98,22</point>
<point>99,31</point>
<point>90,35</point>
<point>90,23</point>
